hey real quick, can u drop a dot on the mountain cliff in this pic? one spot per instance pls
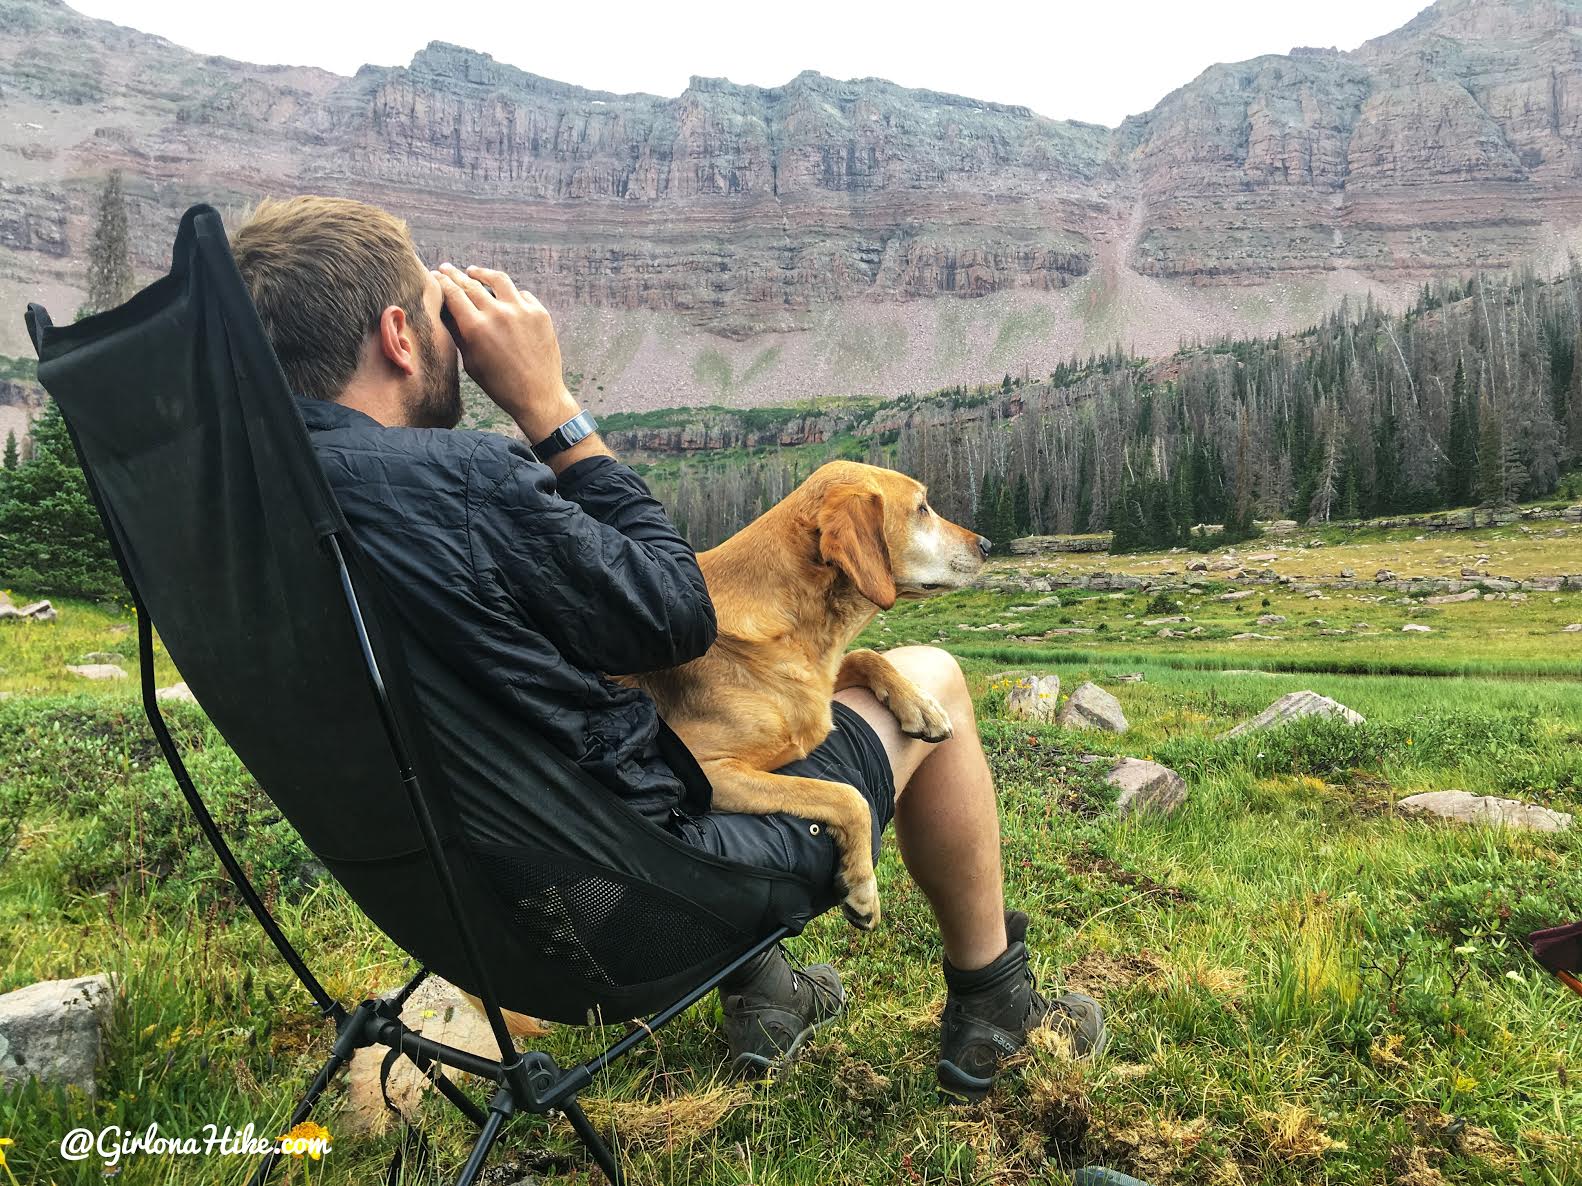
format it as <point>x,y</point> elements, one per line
<point>743,244</point>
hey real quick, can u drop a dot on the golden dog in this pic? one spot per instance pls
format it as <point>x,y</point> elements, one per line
<point>791,590</point>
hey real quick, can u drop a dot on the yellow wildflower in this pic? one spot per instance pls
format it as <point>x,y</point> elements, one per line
<point>309,1131</point>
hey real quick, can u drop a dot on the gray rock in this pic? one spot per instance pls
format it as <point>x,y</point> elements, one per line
<point>1146,786</point>
<point>1416,628</point>
<point>1254,636</point>
<point>1465,807</point>
<point>1293,705</point>
<point>1197,565</point>
<point>1347,574</point>
<point>1166,621</point>
<point>1449,598</point>
<point>96,670</point>
<point>178,693</point>
<point>1574,628</point>
<point>38,611</point>
<point>51,1031</point>
<point>1384,574</point>
<point>1270,619</point>
<point>1091,707</point>
<point>1135,677</point>
<point>1239,595</point>
<point>1034,698</point>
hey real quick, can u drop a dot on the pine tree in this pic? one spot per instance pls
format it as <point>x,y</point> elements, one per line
<point>10,459</point>
<point>1491,458</point>
<point>110,256</point>
<point>51,540</point>
<point>1461,464</point>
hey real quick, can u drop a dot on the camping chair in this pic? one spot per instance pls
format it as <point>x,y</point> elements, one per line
<point>232,545</point>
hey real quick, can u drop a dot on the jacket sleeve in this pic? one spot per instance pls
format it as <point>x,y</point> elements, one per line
<point>603,574</point>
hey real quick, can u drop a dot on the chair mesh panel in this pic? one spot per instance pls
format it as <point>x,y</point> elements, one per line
<point>606,929</point>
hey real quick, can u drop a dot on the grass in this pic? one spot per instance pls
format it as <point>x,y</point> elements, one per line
<point>1303,985</point>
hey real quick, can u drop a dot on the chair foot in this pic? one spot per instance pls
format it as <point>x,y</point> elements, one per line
<point>480,1149</point>
<point>315,1089</point>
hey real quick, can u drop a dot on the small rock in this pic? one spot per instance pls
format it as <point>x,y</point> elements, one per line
<point>1416,628</point>
<point>51,1031</point>
<point>1465,807</point>
<point>1293,705</point>
<point>1451,598</point>
<point>179,693</point>
<point>1347,574</point>
<point>1131,677</point>
<point>1574,628</point>
<point>1091,707</point>
<point>1239,595</point>
<point>1166,621</point>
<point>1251,636</point>
<point>1169,633</point>
<point>1384,574</point>
<point>1146,786</point>
<point>38,611</point>
<point>97,670</point>
<point>1034,698</point>
<point>1197,566</point>
<point>1271,619</point>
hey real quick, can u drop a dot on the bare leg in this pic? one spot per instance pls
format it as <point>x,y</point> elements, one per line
<point>946,821</point>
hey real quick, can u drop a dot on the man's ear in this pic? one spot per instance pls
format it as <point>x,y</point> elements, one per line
<point>397,339</point>
<point>851,537</point>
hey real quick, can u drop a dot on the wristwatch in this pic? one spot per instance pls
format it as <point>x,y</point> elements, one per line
<point>579,427</point>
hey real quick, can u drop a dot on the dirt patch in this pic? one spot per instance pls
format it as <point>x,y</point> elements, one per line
<point>1086,863</point>
<point>1100,973</point>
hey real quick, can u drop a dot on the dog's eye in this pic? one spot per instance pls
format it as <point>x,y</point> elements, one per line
<point>922,508</point>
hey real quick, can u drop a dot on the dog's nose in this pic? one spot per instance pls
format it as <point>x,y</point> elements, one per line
<point>984,545</point>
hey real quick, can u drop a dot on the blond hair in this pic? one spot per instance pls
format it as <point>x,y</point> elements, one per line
<point>321,271</point>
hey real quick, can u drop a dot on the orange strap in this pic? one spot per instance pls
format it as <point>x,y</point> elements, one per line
<point>1570,982</point>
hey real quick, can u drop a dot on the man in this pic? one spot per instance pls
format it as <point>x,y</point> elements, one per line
<point>538,576</point>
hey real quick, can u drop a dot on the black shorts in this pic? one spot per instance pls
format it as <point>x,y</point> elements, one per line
<point>853,754</point>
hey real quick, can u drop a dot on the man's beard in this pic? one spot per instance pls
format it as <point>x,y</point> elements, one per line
<point>439,403</point>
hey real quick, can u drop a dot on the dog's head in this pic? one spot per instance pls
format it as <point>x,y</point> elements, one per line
<point>877,528</point>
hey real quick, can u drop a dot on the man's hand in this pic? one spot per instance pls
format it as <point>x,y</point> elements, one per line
<point>508,346</point>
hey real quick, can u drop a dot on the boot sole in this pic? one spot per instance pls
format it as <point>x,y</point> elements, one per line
<point>959,1087</point>
<point>750,1066</point>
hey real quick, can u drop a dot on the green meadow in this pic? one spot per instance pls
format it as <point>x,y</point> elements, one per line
<point>1304,985</point>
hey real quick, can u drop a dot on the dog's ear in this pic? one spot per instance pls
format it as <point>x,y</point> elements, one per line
<point>851,537</point>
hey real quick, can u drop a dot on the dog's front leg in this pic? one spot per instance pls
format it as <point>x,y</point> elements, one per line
<point>740,789</point>
<point>918,713</point>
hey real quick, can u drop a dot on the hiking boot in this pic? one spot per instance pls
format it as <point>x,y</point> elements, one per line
<point>772,1008</point>
<point>989,1013</point>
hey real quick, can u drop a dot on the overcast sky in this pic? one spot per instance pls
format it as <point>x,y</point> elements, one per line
<point>1092,61</point>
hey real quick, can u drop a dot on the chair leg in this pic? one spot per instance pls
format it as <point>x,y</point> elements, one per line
<point>315,1089</point>
<point>594,1142</point>
<point>499,1109</point>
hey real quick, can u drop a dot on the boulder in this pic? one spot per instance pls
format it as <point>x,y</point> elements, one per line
<point>1239,595</point>
<point>1465,807</point>
<point>1197,565</point>
<point>1293,705</point>
<point>1254,636</point>
<point>1347,574</point>
<point>1034,698</point>
<point>1449,598</point>
<point>1384,574</point>
<point>38,611</point>
<point>1146,786</point>
<point>51,1031</point>
<point>1091,707</point>
<point>1416,628</point>
<point>177,693</point>
<point>97,670</point>
<point>1171,620</point>
<point>1270,619</point>
<point>1574,628</point>
<point>1262,558</point>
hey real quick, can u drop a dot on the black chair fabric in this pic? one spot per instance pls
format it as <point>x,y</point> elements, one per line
<point>207,482</point>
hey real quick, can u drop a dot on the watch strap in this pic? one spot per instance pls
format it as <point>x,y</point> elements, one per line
<point>578,428</point>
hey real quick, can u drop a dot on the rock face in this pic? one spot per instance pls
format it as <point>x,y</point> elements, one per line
<point>694,247</point>
<point>1146,786</point>
<point>1293,705</point>
<point>1465,807</point>
<point>1034,698</point>
<point>51,1031</point>
<point>1091,707</point>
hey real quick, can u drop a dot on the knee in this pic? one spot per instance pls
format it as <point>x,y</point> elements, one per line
<point>938,673</point>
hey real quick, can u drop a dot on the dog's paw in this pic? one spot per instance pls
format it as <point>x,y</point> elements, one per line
<point>861,905</point>
<point>923,717</point>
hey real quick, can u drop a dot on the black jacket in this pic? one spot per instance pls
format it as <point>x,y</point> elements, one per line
<point>532,588</point>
